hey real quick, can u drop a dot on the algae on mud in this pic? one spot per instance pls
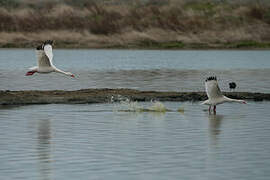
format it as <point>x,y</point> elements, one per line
<point>104,96</point>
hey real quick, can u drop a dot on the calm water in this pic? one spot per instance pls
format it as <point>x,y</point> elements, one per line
<point>97,141</point>
<point>139,69</point>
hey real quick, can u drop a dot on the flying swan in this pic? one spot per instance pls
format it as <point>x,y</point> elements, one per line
<point>214,94</point>
<point>45,64</point>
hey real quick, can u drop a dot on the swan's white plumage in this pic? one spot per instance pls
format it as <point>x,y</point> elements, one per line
<point>48,51</point>
<point>43,60</point>
<point>212,89</point>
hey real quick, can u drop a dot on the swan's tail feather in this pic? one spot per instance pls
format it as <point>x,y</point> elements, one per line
<point>33,68</point>
<point>205,102</point>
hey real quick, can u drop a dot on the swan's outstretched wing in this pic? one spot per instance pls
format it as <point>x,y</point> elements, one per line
<point>48,51</point>
<point>43,60</point>
<point>212,88</point>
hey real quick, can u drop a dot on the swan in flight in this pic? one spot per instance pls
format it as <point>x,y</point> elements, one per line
<point>45,64</point>
<point>214,94</point>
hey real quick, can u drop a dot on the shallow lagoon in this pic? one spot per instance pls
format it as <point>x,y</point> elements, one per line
<point>103,141</point>
<point>160,70</point>
<point>99,142</point>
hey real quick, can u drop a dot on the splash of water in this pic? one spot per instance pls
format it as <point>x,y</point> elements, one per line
<point>132,106</point>
<point>181,110</point>
<point>157,107</point>
<point>126,105</point>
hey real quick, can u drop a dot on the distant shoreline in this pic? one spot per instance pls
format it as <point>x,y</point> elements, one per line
<point>88,96</point>
<point>242,45</point>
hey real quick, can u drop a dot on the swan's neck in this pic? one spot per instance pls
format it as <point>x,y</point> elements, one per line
<point>63,72</point>
<point>226,99</point>
<point>60,71</point>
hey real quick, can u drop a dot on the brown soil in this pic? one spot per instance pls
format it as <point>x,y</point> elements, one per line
<point>105,96</point>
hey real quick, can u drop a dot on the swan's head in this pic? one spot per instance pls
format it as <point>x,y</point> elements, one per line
<point>70,74</point>
<point>242,101</point>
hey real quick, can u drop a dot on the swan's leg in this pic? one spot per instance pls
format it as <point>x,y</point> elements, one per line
<point>30,73</point>
<point>215,107</point>
<point>209,109</point>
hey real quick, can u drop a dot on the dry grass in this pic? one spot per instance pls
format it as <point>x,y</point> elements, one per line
<point>103,25</point>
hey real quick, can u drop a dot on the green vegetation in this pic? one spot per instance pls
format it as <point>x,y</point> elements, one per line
<point>248,44</point>
<point>168,24</point>
<point>160,45</point>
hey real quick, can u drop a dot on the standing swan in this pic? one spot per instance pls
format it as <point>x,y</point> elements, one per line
<point>45,56</point>
<point>214,94</point>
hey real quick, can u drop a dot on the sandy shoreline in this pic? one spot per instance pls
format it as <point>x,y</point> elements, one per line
<point>85,96</point>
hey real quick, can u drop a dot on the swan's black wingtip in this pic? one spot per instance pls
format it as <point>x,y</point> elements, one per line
<point>48,42</point>
<point>211,78</point>
<point>232,85</point>
<point>39,47</point>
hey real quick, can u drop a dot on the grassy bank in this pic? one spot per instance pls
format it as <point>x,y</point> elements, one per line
<point>106,24</point>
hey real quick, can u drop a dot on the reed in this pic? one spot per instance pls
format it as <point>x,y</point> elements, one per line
<point>120,24</point>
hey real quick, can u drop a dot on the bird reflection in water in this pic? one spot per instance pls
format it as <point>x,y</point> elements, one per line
<point>214,126</point>
<point>44,137</point>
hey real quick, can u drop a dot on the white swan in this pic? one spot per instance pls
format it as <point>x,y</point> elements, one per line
<point>44,57</point>
<point>214,94</point>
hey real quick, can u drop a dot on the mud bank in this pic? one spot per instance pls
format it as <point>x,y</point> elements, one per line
<point>109,95</point>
